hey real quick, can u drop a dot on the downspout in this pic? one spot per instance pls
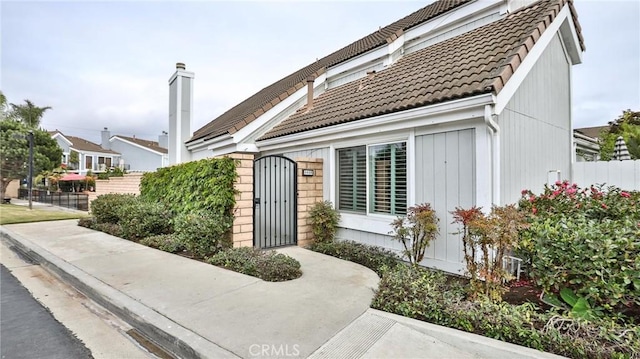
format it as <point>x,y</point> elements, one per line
<point>495,152</point>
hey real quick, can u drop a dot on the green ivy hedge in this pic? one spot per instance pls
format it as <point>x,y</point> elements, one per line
<point>205,185</point>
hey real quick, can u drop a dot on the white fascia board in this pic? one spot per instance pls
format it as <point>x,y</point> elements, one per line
<point>466,13</point>
<point>513,84</point>
<point>182,73</point>
<point>430,115</point>
<point>193,145</point>
<point>569,37</point>
<point>116,138</point>
<point>219,142</point>
<point>92,153</point>
<point>360,60</point>
<point>58,134</point>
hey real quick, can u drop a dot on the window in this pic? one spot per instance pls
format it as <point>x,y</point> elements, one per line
<point>88,162</point>
<point>65,159</point>
<point>387,180</point>
<point>352,179</point>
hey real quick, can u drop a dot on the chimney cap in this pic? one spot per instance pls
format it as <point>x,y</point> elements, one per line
<point>105,128</point>
<point>180,66</point>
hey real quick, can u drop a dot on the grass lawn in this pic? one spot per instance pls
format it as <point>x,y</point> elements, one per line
<point>10,213</point>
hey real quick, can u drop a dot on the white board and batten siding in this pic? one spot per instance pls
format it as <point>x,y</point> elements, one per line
<point>316,153</point>
<point>535,126</point>
<point>622,174</point>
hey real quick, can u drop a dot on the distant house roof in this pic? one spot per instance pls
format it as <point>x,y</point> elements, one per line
<point>83,145</point>
<point>593,132</point>
<point>484,68</point>
<point>152,145</point>
<point>476,62</point>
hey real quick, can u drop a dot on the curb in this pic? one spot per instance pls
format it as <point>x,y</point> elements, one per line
<point>166,333</point>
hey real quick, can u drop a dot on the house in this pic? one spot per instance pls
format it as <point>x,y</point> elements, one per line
<point>461,103</point>
<point>90,156</point>
<point>586,143</point>
<point>138,155</point>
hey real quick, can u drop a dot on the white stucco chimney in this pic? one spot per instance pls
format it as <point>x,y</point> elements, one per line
<point>180,114</point>
<point>105,136</point>
<point>163,140</point>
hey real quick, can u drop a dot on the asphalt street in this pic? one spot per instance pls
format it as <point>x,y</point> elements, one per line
<point>28,330</point>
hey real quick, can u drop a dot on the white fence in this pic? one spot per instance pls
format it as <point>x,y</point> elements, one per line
<point>622,174</point>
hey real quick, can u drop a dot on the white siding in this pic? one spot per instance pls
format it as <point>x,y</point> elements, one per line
<point>622,174</point>
<point>316,153</point>
<point>536,126</point>
<point>137,158</point>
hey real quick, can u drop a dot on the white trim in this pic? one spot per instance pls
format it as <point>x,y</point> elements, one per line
<point>513,84</point>
<point>116,137</point>
<point>483,168</point>
<point>373,223</point>
<point>471,107</point>
<point>361,60</point>
<point>94,153</point>
<point>333,173</point>
<point>411,168</point>
<point>58,134</point>
<point>181,73</point>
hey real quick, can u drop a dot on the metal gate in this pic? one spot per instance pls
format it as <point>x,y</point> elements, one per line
<point>275,215</point>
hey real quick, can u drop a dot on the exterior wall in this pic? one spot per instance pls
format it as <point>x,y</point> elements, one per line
<point>12,189</point>
<point>319,153</point>
<point>535,126</point>
<point>309,192</point>
<point>137,158</point>
<point>180,102</point>
<point>130,183</point>
<point>242,234</point>
<point>622,174</point>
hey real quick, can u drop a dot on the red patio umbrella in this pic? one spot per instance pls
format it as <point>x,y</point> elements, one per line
<point>73,177</point>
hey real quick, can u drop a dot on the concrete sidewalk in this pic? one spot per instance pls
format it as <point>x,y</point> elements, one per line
<point>196,310</point>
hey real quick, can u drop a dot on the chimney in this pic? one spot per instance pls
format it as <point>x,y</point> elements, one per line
<point>163,140</point>
<point>106,135</point>
<point>180,110</point>
<point>310,80</point>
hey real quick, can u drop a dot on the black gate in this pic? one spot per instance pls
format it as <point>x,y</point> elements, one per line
<point>275,215</point>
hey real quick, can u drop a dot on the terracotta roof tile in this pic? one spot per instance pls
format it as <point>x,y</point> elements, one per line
<point>278,91</point>
<point>476,62</point>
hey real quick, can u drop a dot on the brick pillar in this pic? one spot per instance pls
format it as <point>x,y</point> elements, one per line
<point>242,235</point>
<point>309,192</point>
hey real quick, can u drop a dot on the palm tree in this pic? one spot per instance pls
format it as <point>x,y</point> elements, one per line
<point>29,113</point>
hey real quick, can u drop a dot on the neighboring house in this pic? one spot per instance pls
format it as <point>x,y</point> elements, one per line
<point>586,143</point>
<point>459,104</point>
<point>138,155</point>
<point>91,156</point>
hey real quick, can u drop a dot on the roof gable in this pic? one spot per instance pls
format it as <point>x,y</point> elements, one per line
<point>251,108</point>
<point>479,61</point>
<point>145,144</point>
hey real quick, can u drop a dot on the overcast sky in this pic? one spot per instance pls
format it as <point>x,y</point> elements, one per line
<point>106,64</point>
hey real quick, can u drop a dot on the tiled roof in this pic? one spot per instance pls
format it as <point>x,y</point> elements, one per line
<point>476,62</point>
<point>593,132</point>
<point>152,145</point>
<point>83,145</point>
<point>251,108</point>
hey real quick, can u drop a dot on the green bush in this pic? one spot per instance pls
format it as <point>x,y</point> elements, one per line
<point>374,258</point>
<point>324,221</point>
<point>164,242</point>
<point>416,230</point>
<point>87,222</point>
<point>113,229</point>
<point>106,208</point>
<point>205,185</point>
<point>204,233</point>
<point>266,265</point>
<point>425,295</point>
<point>140,219</point>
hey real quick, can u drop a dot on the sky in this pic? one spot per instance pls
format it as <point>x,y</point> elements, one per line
<point>107,64</point>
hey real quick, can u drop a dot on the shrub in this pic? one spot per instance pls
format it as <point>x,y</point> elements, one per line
<point>140,219</point>
<point>113,229</point>
<point>164,242</point>
<point>421,294</point>
<point>205,185</point>
<point>486,240</point>
<point>88,222</point>
<point>416,231</point>
<point>374,258</point>
<point>106,208</point>
<point>204,233</point>
<point>324,221</point>
<point>266,265</point>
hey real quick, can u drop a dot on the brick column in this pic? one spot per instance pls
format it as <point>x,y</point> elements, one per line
<point>242,235</point>
<point>309,192</point>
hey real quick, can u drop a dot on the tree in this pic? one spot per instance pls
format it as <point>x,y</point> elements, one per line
<point>29,113</point>
<point>627,126</point>
<point>14,152</point>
